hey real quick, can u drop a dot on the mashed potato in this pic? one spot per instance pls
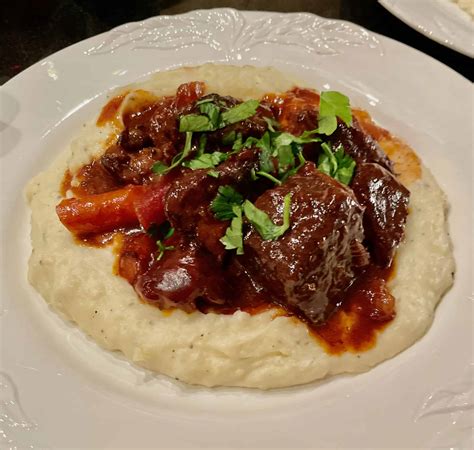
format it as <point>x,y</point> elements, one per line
<point>466,5</point>
<point>265,350</point>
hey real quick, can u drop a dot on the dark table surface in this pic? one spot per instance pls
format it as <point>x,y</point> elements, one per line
<point>33,29</point>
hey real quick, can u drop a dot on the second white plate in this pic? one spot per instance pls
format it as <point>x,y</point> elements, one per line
<point>440,20</point>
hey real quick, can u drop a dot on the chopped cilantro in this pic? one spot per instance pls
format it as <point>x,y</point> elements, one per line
<point>206,161</point>
<point>263,224</point>
<point>305,138</point>
<point>271,123</point>
<point>286,158</point>
<point>159,243</point>
<point>212,111</point>
<point>202,144</point>
<point>336,163</point>
<point>237,145</point>
<point>229,138</point>
<point>195,122</point>
<point>301,161</point>
<point>162,248</point>
<point>266,175</point>
<point>333,104</point>
<point>239,112</point>
<point>222,206</point>
<point>233,238</point>
<point>204,100</point>
<point>161,168</point>
<point>213,173</point>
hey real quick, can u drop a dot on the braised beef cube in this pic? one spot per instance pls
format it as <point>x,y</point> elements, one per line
<point>386,208</point>
<point>308,267</point>
<point>134,139</point>
<point>182,277</point>
<point>359,145</point>
<point>192,192</point>
<point>115,160</point>
<point>130,168</point>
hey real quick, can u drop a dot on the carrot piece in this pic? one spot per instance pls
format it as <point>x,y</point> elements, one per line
<point>100,213</point>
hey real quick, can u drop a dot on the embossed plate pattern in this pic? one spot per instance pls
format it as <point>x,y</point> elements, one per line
<point>59,390</point>
<point>440,20</point>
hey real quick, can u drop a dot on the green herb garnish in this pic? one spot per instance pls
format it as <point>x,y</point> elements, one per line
<point>263,224</point>
<point>333,104</point>
<point>266,175</point>
<point>336,163</point>
<point>233,238</point>
<point>271,123</point>
<point>195,123</point>
<point>239,112</point>
<point>204,100</point>
<point>206,161</point>
<point>202,144</point>
<point>161,168</point>
<point>223,205</point>
<point>212,111</point>
<point>162,248</point>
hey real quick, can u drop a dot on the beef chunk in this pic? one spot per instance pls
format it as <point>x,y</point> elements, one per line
<point>182,277</point>
<point>386,207</point>
<point>192,191</point>
<point>134,139</point>
<point>359,145</point>
<point>130,168</point>
<point>312,263</point>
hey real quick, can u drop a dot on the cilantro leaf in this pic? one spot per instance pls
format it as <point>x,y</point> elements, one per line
<point>239,112</point>
<point>233,238</point>
<point>286,158</point>
<point>263,224</point>
<point>271,123</point>
<point>204,100</point>
<point>260,173</point>
<point>222,206</point>
<point>337,164</point>
<point>161,168</point>
<point>305,138</point>
<point>195,122</point>
<point>167,231</point>
<point>206,161</point>
<point>212,111</point>
<point>333,104</point>
<point>213,173</point>
<point>229,138</point>
<point>301,160</point>
<point>162,248</point>
<point>202,144</point>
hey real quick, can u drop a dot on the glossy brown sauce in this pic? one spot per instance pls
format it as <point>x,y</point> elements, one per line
<point>367,308</point>
<point>110,110</point>
<point>364,310</point>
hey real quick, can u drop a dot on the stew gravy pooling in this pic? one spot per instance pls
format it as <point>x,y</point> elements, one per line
<point>355,313</point>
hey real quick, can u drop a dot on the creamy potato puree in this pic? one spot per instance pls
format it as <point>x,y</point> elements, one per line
<point>467,5</point>
<point>265,350</point>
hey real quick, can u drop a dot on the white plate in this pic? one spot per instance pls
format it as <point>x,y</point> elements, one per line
<point>441,20</point>
<point>59,390</point>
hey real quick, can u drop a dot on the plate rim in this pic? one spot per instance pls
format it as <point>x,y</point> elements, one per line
<point>263,12</point>
<point>28,69</point>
